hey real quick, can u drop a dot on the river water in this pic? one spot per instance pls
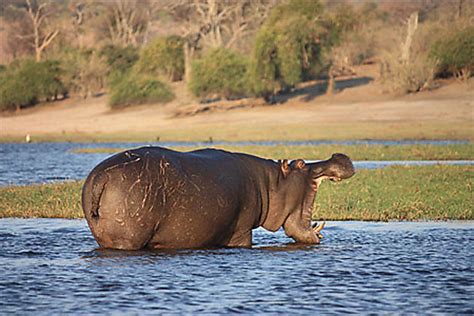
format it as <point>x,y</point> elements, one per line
<point>52,266</point>
<point>49,162</point>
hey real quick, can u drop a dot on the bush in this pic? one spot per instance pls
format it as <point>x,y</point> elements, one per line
<point>416,73</point>
<point>413,76</point>
<point>455,54</point>
<point>85,71</point>
<point>26,82</point>
<point>220,73</point>
<point>134,89</point>
<point>119,59</point>
<point>291,46</point>
<point>164,56</point>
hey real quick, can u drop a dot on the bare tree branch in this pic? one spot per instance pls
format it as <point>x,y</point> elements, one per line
<point>37,17</point>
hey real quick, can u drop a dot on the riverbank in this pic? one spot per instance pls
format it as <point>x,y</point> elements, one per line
<point>393,193</point>
<point>353,113</point>
<point>356,152</point>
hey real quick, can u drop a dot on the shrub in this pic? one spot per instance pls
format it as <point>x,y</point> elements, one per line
<point>164,56</point>
<point>455,54</point>
<point>220,73</point>
<point>26,82</point>
<point>416,72</point>
<point>85,71</point>
<point>119,59</point>
<point>14,92</point>
<point>290,47</point>
<point>407,77</point>
<point>134,89</point>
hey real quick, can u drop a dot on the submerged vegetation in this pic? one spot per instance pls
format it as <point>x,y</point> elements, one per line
<point>394,193</point>
<point>356,152</point>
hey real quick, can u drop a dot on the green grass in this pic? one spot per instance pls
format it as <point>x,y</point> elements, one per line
<point>400,193</point>
<point>61,200</point>
<point>395,193</point>
<point>356,152</point>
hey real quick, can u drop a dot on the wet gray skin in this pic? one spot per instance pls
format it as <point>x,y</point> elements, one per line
<point>153,197</point>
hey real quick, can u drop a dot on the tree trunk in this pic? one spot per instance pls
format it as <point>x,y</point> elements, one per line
<point>331,83</point>
<point>411,28</point>
<point>38,55</point>
<point>459,8</point>
<point>188,55</point>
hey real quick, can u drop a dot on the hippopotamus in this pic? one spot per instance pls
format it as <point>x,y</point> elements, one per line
<point>153,197</point>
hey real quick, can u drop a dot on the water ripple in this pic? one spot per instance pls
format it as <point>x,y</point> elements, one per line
<point>403,268</point>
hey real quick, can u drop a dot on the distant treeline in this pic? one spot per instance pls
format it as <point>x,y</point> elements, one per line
<point>133,49</point>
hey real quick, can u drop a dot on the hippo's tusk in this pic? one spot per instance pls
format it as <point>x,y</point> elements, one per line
<point>318,228</point>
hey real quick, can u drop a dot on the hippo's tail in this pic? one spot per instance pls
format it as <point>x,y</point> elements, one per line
<point>91,193</point>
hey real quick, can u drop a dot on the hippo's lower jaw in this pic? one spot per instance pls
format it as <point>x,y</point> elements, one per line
<point>317,182</point>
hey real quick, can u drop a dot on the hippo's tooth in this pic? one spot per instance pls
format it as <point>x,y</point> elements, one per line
<point>318,228</point>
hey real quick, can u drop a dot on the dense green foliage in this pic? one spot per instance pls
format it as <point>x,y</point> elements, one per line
<point>134,89</point>
<point>290,46</point>
<point>220,73</point>
<point>455,54</point>
<point>120,59</point>
<point>164,56</point>
<point>26,82</point>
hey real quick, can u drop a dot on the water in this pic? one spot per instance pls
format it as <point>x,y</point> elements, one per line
<point>49,162</point>
<point>52,266</point>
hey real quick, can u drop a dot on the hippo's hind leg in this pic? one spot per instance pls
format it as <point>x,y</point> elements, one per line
<point>125,217</point>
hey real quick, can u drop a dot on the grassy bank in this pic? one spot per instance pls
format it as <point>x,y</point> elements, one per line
<point>356,152</point>
<point>398,193</point>
<point>61,200</point>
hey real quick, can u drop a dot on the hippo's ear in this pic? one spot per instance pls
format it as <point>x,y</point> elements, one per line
<point>285,169</point>
<point>297,164</point>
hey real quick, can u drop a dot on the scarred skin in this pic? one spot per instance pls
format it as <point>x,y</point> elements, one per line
<point>152,197</point>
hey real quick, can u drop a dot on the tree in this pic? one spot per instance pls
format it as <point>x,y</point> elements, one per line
<point>163,57</point>
<point>291,46</point>
<point>214,24</point>
<point>126,20</point>
<point>38,13</point>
